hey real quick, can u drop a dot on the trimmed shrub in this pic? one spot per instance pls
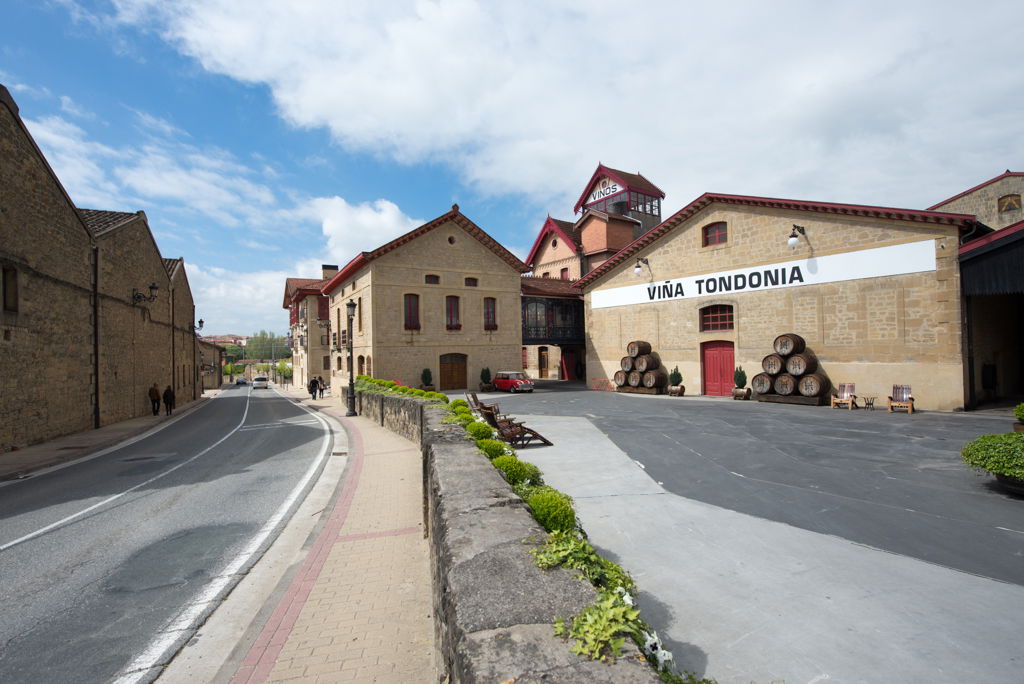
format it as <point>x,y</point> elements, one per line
<point>1001,454</point>
<point>456,403</point>
<point>675,377</point>
<point>426,378</point>
<point>485,376</point>
<point>492,448</point>
<point>552,509</point>
<point>438,396</point>
<point>739,377</point>
<point>418,393</point>
<point>516,471</point>
<point>1018,411</point>
<point>478,430</point>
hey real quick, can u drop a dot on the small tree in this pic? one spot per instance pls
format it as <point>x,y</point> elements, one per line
<point>740,377</point>
<point>675,377</point>
<point>426,379</point>
<point>485,376</point>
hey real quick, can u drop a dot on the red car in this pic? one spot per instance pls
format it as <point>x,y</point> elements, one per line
<point>512,381</point>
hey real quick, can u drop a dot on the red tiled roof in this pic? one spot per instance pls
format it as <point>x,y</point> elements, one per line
<point>1016,230</point>
<point>708,198</point>
<point>629,181</point>
<point>566,229</point>
<point>99,221</point>
<point>1007,174</point>
<point>452,216</point>
<point>304,286</point>
<point>549,287</point>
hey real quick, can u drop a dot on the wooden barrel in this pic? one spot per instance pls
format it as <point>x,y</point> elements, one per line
<point>638,348</point>
<point>619,378</point>
<point>784,384</point>
<point>626,363</point>
<point>647,362</point>
<point>656,378</point>
<point>813,385</point>
<point>787,344</point>
<point>802,364</point>
<point>762,383</point>
<point>634,378</point>
<point>773,364</point>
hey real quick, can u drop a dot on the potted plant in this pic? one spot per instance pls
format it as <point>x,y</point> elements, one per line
<point>426,381</point>
<point>1018,411</point>
<point>485,380</point>
<point>1002,455</point>
<point>739,378</point>
<point>675,383</point>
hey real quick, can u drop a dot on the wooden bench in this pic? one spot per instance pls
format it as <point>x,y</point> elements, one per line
<point>901,397</point>
<point>511,431</point>
<point>845,395</point>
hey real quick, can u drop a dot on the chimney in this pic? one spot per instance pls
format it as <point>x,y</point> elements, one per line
<point>329,270</point>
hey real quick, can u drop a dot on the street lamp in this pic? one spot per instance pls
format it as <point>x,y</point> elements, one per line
<point>350,309</point>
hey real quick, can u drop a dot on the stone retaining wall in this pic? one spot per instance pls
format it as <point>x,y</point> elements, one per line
<point>493,607</point>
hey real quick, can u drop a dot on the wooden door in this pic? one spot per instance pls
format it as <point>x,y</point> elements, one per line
<point>453,372</point>
<point>542,362</point>
<point>716,363</point>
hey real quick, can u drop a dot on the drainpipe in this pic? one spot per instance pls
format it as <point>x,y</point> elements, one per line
<point>96,335</point>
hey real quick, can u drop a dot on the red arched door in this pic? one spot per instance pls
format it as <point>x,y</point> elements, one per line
<point>716,364</point>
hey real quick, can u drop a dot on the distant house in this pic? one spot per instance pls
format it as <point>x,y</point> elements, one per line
<point>309,326</point>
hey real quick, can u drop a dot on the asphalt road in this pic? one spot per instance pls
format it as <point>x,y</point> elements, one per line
<point>110,564</point>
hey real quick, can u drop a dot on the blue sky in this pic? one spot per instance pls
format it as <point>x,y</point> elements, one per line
<point>264,138</point>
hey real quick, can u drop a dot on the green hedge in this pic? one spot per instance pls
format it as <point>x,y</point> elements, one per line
<point>552,509</point>
<point>518,472</point>
<point>1001,454</point>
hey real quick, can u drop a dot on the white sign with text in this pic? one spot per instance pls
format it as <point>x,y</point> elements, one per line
<point>913,257</point>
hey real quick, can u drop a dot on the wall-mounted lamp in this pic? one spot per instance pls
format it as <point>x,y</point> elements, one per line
<point>638,269</point>
<point>198,327</point>
<point>794,239</point>
<point>139,297</point>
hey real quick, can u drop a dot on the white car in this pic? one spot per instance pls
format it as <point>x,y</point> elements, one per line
<point>259,383</point>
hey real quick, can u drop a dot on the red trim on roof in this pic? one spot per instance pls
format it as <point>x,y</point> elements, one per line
<point>550,226</point>
<point>1006,174</point>
<point>994,236</point>
<point>799,205</point>
<point>623,179</point>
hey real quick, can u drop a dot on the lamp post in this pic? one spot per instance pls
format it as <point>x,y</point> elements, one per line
<point>350,309</point>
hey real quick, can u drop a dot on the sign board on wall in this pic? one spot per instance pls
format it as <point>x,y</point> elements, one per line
<point>605,187</point>
<point>913,257</point>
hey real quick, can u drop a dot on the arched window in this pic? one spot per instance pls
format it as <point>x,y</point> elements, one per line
<point>714,234</point>
<point>361,365</point>
<point>412,312</point>
<point>716,317</point>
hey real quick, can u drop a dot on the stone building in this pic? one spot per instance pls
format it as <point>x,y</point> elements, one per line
<point>309,326</point>
<point>443,297</point>
<point>92,315</point>
<point>211,364</point>
<point>875,292</point>
<point>996,203</point>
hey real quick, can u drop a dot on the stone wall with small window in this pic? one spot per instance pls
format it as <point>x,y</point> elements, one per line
<point>997,204</point>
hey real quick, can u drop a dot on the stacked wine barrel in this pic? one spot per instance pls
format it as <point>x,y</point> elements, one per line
<point>641,367</point>
<point>791,369</point>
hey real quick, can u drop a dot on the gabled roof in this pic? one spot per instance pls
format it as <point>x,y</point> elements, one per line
<point>991,241</point>
<point>453,216</point>
<point>564,229</point>
<point>99,221</point>
<point>301,287</point>
<point>708,198</point>
<point>629,181</point>
<point>1007,174</point>
<point>549,287</point>
<point>171,265</point>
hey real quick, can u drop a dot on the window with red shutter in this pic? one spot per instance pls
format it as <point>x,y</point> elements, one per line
<point>412,312</point>
<point>451,313</point>
<point>490,313</point>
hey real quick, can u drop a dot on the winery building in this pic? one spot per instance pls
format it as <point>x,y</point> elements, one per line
<point>873,291</point>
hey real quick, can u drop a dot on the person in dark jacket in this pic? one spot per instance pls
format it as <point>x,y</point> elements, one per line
<point>154,398</point>
<point>313,388</point>
<point>168,400</point>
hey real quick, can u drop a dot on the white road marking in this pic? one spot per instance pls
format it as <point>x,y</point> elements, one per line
<point>153,655</point>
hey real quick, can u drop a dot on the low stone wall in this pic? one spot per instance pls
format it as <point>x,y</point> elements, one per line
<point>493,607</point>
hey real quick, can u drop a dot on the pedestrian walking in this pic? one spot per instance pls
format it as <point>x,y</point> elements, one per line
<point>168,400</point>
<point>313,388</point>
<point>154,398</point>
<point>320,385</point>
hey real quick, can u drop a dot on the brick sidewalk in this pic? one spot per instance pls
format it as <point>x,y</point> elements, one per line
<point>359,609</point>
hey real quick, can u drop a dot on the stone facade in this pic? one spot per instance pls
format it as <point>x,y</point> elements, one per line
<point>873,331</point>
<point>211,358</point>
<point>78,350</point>
<point>448,257</point>
<point>997,202</point>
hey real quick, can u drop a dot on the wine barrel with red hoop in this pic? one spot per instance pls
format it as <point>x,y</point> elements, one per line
<point>787,344</point>
<point>813,385</point>
<point>634,378</point>
<point>638,348</point>
<point>626,363</point>
<point>784,384</point>
<point>802,364</point>
<point>647,362</point>
<point>656,378</point>
<point>773,364</point>
<point>619,378</point>
<point>762,383</point>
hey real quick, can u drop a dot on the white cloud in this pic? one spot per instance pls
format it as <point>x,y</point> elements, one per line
<point>74,109</point>
<point>238,302</point>
<point>874,102</point>
<point>351,229</point>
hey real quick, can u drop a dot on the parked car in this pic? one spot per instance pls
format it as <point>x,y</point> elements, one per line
<point>240,381</point>
<point>513,381</point>
<point>259,383</point>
